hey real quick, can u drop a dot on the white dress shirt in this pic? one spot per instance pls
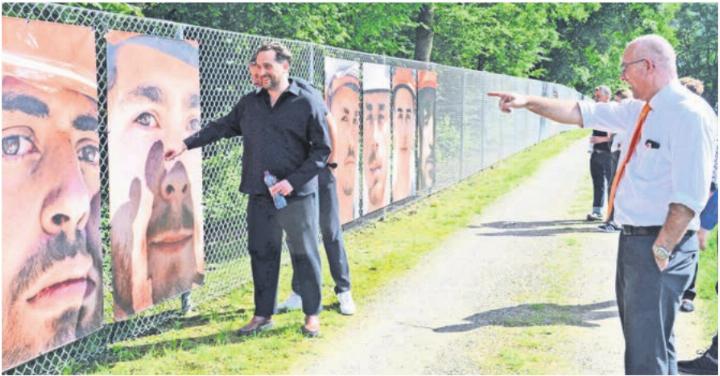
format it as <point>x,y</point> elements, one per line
<point>673,160</point>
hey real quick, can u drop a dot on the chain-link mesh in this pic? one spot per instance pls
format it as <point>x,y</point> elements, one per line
<point>470,135</point>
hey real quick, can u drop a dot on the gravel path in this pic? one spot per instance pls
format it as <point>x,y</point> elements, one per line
<point>490,280</point>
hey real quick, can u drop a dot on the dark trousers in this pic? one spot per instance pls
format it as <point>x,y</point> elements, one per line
<point>265,226</point>
<point>331,233</point>
<point>614,162</point>
<point>691,292</point>
<point>648,301</point>
<point>601,173</point>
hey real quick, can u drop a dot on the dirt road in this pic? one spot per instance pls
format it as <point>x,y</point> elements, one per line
<point>527,287</point>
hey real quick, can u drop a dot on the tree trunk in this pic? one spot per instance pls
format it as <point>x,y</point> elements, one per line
<point>424,33</point>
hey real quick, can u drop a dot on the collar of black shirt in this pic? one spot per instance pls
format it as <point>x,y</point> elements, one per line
<point>292,89</point>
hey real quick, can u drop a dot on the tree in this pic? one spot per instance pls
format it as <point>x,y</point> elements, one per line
<point>697,36</point>
<point>590,50</point>
<point>424,32</point>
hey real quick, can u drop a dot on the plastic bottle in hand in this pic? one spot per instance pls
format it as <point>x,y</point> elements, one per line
<point>278,199</point>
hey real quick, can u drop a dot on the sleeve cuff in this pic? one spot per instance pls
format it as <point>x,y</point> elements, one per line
<point>695,205</point>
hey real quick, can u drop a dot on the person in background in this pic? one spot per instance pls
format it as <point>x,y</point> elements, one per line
<point>615,151</point>
<point>660,186</point>
<point>600,160</point>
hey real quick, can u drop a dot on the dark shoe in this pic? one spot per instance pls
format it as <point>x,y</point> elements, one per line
<point>311,327</point>
<point>256,325</point>
<point>594,217</point>
<point>705,364</point>
<point>687,305</point>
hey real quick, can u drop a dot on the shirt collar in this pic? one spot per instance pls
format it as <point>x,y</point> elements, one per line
<point>293,88</point>
<point>667,95</point>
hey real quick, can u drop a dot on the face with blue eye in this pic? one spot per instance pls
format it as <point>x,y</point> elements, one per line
<point>153,102</point>
<point>51,261</point>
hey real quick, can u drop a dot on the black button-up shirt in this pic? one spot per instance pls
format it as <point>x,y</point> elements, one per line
<point>289,139</point>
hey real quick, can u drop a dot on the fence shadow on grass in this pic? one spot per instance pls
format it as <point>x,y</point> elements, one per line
<point>538,314</point>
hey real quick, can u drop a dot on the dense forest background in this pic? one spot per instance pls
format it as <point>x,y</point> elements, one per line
<point>578,45</point>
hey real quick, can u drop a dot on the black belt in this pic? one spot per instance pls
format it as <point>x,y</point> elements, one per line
<point>646,230</point>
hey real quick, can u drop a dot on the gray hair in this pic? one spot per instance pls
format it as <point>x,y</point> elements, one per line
<point>657,49</point>
<point>604,90</point>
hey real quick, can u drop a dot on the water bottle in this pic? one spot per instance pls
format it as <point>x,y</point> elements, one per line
<point>278,199</point>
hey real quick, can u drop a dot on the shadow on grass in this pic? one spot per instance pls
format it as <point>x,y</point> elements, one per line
<point>540,314</point>
<point>537,228</point>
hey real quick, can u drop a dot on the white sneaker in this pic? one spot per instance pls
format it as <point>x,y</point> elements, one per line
<point>347,305</point>
<point>293,302</point>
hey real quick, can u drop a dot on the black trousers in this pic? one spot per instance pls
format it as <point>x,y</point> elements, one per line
<point>265,223</point>
<point>648,301</point>
<point>331,233</point>
<point>601,172</point>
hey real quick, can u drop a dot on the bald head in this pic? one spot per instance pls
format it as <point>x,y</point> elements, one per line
<point>658,50</point>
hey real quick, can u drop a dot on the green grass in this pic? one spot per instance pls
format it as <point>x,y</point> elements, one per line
<point>705,285</point>
<point>378,253</point>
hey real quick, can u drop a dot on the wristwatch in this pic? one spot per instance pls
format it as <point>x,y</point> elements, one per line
<point>661,252</point>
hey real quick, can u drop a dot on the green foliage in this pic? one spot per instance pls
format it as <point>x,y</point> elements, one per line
<point>120,8</point>
<point>577,44</point>
<point>697,36</point>
<point>590,51</point>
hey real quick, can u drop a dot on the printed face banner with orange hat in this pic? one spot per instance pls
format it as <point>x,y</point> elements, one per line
<point>376,137</point>
<point>404,111</point>
<point>51,252</point>
<point>427,88</point>
<point>155,214</point>
<point>342,96</point>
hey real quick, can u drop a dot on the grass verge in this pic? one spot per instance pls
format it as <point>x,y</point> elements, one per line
<point>206,342</point>
<point>705,285</point>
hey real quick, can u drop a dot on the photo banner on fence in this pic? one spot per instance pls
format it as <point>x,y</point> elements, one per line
<point>156,217</point>
<point>376,137</point>
<point>427,89</point>
<point>342,96</point>
<point>51,252</point>
<point>404,128</point>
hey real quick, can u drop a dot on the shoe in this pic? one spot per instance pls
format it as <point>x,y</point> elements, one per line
<point>186,306</point>
<point>256,325</point>
<point>705,364</point>
<point>594,217</point>
<point>609,227</point>
<point>312,326</point>
<point>347,305</point>
<point>293,302</point>
<point>687,305</point>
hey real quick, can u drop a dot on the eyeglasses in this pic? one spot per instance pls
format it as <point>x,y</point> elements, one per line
<point>624,66</point>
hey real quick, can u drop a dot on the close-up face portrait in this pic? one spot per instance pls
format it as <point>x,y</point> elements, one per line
<point>342,94</point>
<point>156,219</point>
<point>404,127</point>
<point>427,83</point>
<point>51,254</point>
<point>376,136</point>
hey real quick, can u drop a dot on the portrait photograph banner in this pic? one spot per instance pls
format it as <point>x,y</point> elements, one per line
<point>342,96</point>
<point>404,129</point>
<point>376,137</point>
<point>156,221</point>
<point>51,250</point>
<point>427,89</point>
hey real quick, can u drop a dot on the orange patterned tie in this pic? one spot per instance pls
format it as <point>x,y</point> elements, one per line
<point>633,143</point>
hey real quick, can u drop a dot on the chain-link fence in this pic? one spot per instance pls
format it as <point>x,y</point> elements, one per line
<point>471,134</point>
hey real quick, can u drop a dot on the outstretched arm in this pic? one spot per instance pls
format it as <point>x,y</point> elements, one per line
<point>559,110</point>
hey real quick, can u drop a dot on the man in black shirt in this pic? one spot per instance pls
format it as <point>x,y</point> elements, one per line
<point>284,132</point>
<point>600,161</point>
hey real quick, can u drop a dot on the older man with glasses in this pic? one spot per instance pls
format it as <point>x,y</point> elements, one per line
<point>661,188</point>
